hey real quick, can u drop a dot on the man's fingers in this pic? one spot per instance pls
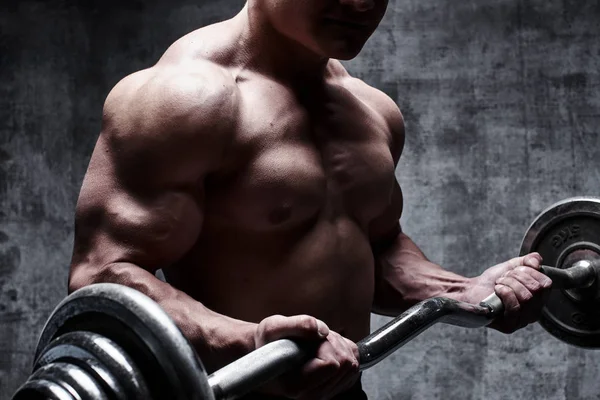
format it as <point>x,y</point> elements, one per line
<point>526,287</point>
<point>532,260</point>
<point>299,326</point>
<point>538,284</point>
<point>533,279</point>
<point>333,368</point>
<point>508,297</point>
<point>319,370</point>
<point>523,290</point>
<point>347,353</point>
<point>511,320</point>
<point>353,348</point>
<point>315,373</point>
<point>522,294</point>
<point>345,376</point>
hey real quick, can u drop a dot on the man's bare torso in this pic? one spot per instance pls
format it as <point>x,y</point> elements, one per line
<point>288,214</point>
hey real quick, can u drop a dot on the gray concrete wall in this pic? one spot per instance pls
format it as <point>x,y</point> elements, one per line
<point>502,112</point>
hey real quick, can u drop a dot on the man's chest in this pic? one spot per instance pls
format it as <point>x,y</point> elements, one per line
<point>296,159</point>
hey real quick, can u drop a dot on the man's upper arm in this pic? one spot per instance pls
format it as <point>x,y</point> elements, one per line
<point>384,229</point>
<point>386,226</point>
<point>141,199</point>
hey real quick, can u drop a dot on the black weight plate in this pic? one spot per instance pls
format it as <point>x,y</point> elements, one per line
<point>139,326</point>
<point>42,389</point>
<point>564,233</point>
<point>102,358</point>
<point>73,378</point>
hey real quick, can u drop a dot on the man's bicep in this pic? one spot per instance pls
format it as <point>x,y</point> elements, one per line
<point>151,226</point>
<point>141,200</point>
<point>153,229</point>
<point>386,227</point>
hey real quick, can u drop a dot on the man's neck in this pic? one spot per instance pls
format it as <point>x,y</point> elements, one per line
<point>265,50</point>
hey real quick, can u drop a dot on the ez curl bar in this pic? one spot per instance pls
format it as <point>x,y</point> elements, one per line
<point>108,341</point>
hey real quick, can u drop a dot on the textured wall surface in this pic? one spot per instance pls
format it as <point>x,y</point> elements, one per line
<point>502,110</point>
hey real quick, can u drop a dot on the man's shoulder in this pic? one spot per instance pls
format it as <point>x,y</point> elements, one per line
<point>173,95</point>
<point>367,93</point>
<point>171,115</point>
<point>380,102</point>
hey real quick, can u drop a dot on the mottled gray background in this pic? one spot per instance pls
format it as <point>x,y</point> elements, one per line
<point>502,111</point>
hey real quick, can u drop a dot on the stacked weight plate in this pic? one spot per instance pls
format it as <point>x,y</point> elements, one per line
<point>78,355</point>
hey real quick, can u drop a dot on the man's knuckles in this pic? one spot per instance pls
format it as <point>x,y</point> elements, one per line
<point>531,262</point>
<point>276,326</point>
<point>525,274</point>
<point>532,282</point>
<point>348,364</point>
<point>519,289</point>
<point>530,278</point>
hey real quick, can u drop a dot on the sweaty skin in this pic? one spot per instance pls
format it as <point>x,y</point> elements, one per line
<point>261,187</point>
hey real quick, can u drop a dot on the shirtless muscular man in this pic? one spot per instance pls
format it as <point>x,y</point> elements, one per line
<point>254,170</point>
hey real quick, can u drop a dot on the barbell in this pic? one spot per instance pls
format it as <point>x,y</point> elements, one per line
<point>107,341</point>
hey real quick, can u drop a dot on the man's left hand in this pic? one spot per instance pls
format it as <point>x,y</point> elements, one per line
<point>520,285</point>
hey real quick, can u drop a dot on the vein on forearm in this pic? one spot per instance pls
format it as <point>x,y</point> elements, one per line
<point>404,277</point>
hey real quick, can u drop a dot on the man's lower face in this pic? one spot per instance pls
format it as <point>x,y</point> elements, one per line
<point>343,47</point>
<point>337,41</point>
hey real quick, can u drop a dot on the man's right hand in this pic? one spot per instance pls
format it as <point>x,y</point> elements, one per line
<point>333,370</point>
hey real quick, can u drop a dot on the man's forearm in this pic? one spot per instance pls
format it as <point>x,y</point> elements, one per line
<point>405,277</point>
<point>217,339</point>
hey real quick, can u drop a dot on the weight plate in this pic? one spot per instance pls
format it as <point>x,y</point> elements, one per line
<point>564,233</point>
<point>73,378</point>
<point>140,327</point>
<point>101,358</point>
<point>41,389</point>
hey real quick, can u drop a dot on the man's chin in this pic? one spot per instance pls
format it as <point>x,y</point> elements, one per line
<point>344,57</point>
<point>346,53</point>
